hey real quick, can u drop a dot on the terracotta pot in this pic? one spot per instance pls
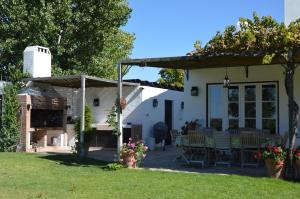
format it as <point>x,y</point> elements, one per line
<point>297,168</point>
<point>274,168</point>
<point>298,164</point>
<point>130,161</point>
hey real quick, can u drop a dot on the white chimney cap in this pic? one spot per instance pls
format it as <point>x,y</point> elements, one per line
<point>37,61</point>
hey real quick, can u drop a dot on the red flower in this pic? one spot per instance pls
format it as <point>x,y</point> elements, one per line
<point>275,149</point>
<point>298,154</point>
<point>279,163</point>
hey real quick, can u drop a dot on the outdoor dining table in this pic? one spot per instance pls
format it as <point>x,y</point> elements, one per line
<point>243,142</point>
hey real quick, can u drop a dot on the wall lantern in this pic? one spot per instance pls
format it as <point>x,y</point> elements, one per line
<point>182,105</point>
<point>28,107</point>
<point>155,103</point>
<point>226,81</point>
<point>194,91</point>
<point>96,102</point>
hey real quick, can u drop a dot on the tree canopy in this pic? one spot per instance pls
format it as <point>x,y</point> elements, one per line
<point>171,77</point>
<point>83,36</point>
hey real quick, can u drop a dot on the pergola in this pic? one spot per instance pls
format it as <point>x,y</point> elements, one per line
<point>79,82</point>
<point>221,61</point>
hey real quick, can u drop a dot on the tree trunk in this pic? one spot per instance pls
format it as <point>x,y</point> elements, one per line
<point>293,114</point>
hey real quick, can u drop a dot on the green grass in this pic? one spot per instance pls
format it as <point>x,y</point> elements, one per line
<point>41,176</point>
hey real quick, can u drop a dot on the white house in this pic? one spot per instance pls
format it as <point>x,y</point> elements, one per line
<point>50,104</point>
<point>256,98</point>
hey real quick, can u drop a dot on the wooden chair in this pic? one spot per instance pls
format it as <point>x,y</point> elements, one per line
<point>197,148</point>
<point>250,143</point>
<point>222,148</point>
<point>175,137</point>
<point>185,148</point>
<point>235,145</point>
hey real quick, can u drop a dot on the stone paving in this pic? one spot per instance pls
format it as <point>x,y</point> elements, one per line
<point>168,161</point>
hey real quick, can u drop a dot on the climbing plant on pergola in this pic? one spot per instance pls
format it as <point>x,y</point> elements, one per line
<point>262,36</point>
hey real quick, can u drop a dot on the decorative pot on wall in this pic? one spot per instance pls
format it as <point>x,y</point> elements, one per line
<point>194,91</point>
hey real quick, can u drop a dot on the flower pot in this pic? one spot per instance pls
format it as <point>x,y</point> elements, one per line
<point>130,161</point>
<point>297,168</point>
<point>274,168</point>
<point>298,164</point>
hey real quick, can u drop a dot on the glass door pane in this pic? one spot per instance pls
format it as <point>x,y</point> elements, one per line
<point>269,107</point>
<point>233,107</point>
<point>215,106</point>
<point>250,106</point>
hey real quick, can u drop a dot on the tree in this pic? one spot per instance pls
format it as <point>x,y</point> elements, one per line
<point>10,125</point>
<point>83,36</point>
<point>267,38</point>
<point>171,77</point>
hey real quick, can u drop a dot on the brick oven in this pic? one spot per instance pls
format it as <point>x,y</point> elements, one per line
<point>43,118</point>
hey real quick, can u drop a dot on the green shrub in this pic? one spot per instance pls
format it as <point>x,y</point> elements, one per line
<point>88,130</point>
<point>114,166</point>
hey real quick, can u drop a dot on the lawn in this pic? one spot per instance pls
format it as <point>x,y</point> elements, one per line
<point>63,176</point>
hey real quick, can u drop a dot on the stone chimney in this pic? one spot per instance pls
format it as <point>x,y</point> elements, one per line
<point>37,61</point>
<point>291,11</point>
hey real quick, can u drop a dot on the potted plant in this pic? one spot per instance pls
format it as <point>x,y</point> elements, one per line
<point>296,153</point>
<point>274,157</point>
<point>132,153</point>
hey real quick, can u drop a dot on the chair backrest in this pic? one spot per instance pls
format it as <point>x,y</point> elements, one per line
<point>174,134</point>
<point>184,141</point>
<point>222,140</point>
<point>251,140</point>
<point>235,141</point>
<point>136,132</point>
<point>207,130</point>
<point>196,139</point>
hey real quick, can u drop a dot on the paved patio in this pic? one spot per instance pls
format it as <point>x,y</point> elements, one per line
<point>168,161</point>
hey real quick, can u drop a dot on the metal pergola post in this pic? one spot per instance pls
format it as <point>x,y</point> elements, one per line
<point>120,117</point>
<point>82,117</point>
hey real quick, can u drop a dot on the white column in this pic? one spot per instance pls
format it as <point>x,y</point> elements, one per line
<point>120,118</point>
<point>82,118</point>
<point>291,11</point>
<point>62,139</point>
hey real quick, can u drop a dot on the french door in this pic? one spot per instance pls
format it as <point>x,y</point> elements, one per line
<point>248,105</point>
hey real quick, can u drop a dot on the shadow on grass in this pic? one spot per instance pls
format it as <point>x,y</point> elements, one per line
<point>73,160</point>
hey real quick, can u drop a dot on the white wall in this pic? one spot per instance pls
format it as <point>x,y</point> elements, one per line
<point>195,106</point>
<point>139,109</point>
<point>147,115</point>
<point>291,11</point>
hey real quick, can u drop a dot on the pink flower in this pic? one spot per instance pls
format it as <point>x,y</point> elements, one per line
<point>144,155</point>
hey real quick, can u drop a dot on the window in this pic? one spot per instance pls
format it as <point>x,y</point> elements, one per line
<point>248,105</point>
<point>233,107</point>
<point>216,104</point>
<point>269,107</point>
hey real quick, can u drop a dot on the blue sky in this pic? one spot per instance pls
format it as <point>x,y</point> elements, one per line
<point>171,27</point>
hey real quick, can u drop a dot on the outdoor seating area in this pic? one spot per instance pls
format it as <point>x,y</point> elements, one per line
<point>228,148</point>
